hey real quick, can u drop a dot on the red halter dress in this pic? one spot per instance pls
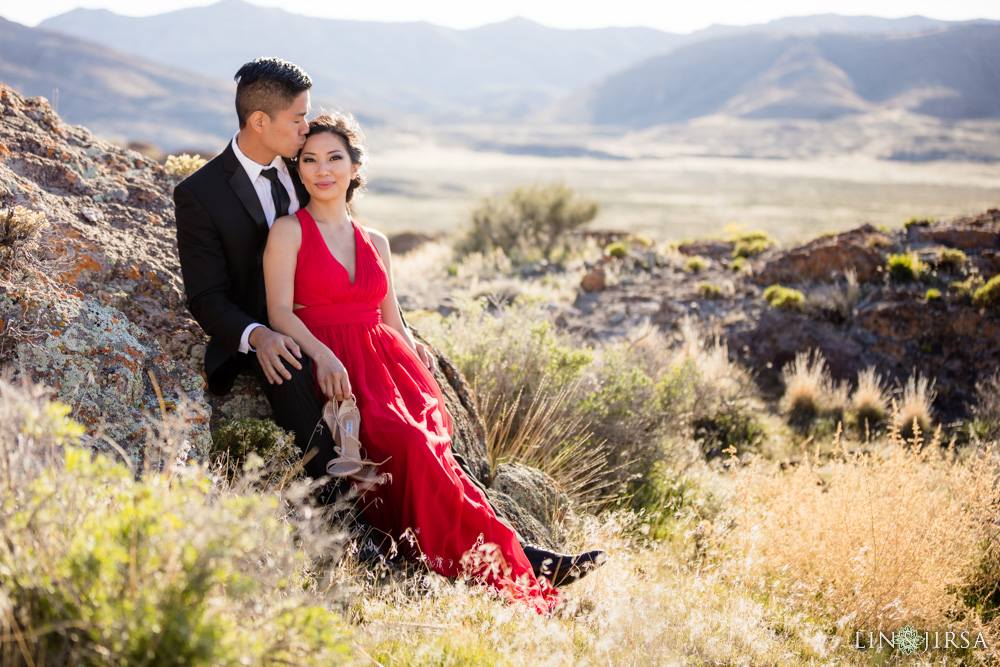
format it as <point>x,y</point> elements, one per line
<point>428,505</point>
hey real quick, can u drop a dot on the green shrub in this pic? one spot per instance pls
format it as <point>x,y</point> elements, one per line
<point>932,294</point>
<point>988,296</point>
<point>696,264</point>
<point>635,402</point>
<point>951,260</point>
<point>784,298</point>
<point>707,397</point>
<point>740,264</point>
<point>234,440</point>
<point>905,267</point>
<point>618,249</point>
<point>917,222</point>
<point>709,291</point>
<point>617,398</point>
<point>527,220</point>
<point>731,428</point>
<point>751,244</point>
<point>964,289</point>
<point>102,568</point>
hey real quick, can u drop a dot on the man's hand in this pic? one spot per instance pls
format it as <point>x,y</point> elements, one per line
<point>271,348</point>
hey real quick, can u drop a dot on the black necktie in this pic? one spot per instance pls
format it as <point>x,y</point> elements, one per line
<point>278,193</point>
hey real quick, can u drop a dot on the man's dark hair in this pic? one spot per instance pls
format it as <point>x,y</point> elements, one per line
<point>268,85</point>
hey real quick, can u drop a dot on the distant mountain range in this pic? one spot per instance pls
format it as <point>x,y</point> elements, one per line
<point>168,78</point>
<point>501,71</point>
<point>505,69</point>
<point>949,73</point>
<point>116,94</point>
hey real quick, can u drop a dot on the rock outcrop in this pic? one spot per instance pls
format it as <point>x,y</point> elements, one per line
<point>827,257</point>
<point>99,314</point>
<point>855,311</point>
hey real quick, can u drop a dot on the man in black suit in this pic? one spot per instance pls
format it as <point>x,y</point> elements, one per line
<point>224,212</point>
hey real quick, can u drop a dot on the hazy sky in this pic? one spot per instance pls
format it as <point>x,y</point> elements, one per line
<point>682,17</point>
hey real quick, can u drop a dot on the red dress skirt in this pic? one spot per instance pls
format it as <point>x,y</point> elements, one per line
<point>428,505</point>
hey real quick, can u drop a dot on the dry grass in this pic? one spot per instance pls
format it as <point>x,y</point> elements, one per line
<point>915,405</point>
<point>873,540</point>
<point>18,228</point>
<point>786,569</point>
<point>837,300</point>
<point>647,606</point>
<point>710,356</point>
<point>870,401</point>
<point>809,389</point>
<point>416,270</point>
<point>552,437</point>
<point>181,166</point>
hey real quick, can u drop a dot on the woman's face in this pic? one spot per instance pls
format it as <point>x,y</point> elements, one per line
<point>325,167</point>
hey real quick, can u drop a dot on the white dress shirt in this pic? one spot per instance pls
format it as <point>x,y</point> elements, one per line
<point>263,188</point>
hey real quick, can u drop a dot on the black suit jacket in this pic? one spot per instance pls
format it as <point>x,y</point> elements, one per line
<point>221,233</point>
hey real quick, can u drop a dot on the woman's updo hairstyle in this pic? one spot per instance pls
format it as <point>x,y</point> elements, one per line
<point>347,128</point>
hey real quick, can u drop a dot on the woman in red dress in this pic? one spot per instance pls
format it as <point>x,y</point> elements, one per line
<point>329,287</point>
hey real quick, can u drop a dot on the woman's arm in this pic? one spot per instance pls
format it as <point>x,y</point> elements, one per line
<point>390,306</point>
<point>280,258</point>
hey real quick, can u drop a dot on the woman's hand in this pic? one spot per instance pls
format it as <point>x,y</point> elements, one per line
<point>332,376</point>
<point>424,355</point>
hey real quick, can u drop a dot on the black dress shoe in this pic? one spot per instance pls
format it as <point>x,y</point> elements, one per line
<point>561,569</point>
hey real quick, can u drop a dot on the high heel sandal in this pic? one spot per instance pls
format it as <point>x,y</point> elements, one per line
<point>344,421</point>
<point>342,466</point>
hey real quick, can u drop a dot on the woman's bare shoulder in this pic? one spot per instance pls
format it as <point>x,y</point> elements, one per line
<point>286,227</point>
<point>376,235</point>
<point>380,240</point>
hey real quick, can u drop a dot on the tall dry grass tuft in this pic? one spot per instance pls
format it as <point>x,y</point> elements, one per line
<point>711,357</point>
<point>915,405</point>
<point>552,437</point>
<point>805,379</point>
<point>809,389</point>
<point>876,540</point>
<point>870,401</point>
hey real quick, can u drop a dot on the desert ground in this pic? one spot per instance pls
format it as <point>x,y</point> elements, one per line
<point>684,183</point>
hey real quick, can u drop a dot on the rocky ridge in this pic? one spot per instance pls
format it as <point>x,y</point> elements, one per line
<point>854,310</point>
